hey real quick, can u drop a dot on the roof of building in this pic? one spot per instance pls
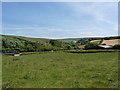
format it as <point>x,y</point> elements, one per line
<point>105,46</point>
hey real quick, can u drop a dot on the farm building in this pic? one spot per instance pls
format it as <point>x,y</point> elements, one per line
<point>105,46</point>
<point>74,41</point>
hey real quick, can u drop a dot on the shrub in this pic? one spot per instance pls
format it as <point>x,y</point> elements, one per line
<point>116,47</point>
<point>56,43</point>
<point>91,46</point>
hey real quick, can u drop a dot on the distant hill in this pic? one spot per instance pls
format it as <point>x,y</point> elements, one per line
<point>68,40</point>
<point>41,40</point>
<point>21,43</point>
<point>24,43</point>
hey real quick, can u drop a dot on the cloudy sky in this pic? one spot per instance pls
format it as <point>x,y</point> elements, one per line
<point>60,19</point>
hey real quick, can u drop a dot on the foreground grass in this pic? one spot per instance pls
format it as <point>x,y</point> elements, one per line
<point>61,70</point>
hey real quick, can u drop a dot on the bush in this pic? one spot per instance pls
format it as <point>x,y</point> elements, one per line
<point>116,47</point>
<point>56,43</point>
<point>91,46</point>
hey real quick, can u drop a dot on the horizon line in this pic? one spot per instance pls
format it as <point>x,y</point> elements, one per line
<point>61,38</point>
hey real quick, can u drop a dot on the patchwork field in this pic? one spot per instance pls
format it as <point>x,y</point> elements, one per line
<point>61,70</point>
<point>111,42</point>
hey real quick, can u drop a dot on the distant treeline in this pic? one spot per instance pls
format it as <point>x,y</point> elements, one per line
<point>35,45</point>
<point>13,43</point>
<point>24,45</point>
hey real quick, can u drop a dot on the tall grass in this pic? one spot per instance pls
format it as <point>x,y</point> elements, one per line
<point>61,70</point>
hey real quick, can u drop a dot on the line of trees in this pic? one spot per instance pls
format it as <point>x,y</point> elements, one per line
<point>12,43</point>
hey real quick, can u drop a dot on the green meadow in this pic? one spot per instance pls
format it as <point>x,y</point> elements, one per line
<point>61,70</point>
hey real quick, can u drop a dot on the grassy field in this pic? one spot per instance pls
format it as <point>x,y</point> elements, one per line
<point>61,70</point>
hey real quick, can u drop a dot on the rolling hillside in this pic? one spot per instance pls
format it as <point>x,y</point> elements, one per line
<point>68,40</point>
<point>41,40</point>
<point>23,43</point>
<point>37,44</point>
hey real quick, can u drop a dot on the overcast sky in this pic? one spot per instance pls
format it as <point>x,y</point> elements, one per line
<point>60,19</point>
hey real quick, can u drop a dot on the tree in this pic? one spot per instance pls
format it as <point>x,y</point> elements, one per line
<point>91,45</point>
<point>56,43</point>
<point>82,41</point>
<point>116,47</point>
<point>68,47</point>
